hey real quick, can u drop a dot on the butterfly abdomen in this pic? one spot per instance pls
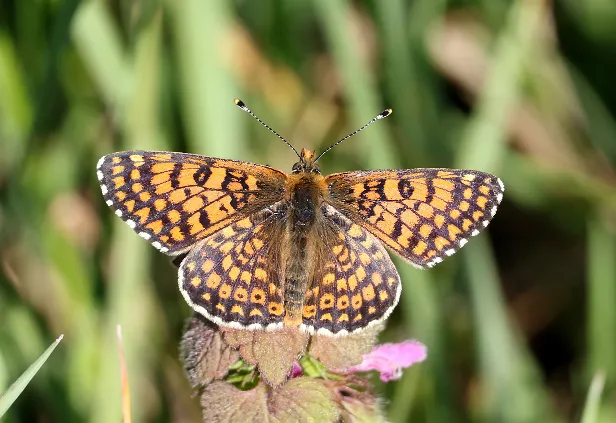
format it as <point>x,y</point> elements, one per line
<point>304,195</point>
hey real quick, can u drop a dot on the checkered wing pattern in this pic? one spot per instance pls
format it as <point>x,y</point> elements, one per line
<point>232,277</point>
<point>422,214</point>
<point>355,284</point>
<point>176,199</point>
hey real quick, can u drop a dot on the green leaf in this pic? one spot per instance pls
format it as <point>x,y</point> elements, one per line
<point>312,367</point>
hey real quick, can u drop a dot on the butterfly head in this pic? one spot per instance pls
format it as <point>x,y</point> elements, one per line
<point>306,163</point>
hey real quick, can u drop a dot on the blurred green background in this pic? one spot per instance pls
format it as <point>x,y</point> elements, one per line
<point>517,324</point>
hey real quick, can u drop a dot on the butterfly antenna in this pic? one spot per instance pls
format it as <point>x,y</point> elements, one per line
<point>239,103</point>
<point>380,116</point>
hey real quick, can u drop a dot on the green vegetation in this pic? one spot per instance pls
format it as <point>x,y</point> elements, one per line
<point>520,325</point>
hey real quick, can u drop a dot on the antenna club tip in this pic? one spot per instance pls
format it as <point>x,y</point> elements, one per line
<point>385,113</point>
<point>239,103</point>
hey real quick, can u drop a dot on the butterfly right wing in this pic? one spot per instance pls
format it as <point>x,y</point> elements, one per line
<point>355,284</point>
<point>174,200</point>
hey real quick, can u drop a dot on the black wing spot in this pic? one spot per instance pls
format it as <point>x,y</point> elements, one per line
<point>234,177</point>
<point>174,177</point>
<point>202,175</point>
<point>204,219</point>
<point>405,188</point>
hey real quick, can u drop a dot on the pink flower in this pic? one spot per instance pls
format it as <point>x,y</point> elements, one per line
<point>296,370</point>
<point>390,359</point>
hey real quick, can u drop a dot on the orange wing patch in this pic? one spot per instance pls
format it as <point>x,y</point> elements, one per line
<point>422,214</point>
<point>176,199</point>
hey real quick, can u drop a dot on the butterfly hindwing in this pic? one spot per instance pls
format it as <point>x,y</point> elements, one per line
<point>422,214</point>
<point>232,277</point>
<point>176,199</point>
<point>355,284</point>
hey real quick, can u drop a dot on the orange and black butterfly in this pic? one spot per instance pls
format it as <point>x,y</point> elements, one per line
<point>265,249</point>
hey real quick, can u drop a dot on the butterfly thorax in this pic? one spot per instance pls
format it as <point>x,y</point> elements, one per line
<point>305,189</point>
<point>304,194</point>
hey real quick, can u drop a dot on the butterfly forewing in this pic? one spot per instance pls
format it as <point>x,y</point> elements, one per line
<point>176,199</point>
<point>232,277</point>
<point>355,285</point>
<point>422,214</point>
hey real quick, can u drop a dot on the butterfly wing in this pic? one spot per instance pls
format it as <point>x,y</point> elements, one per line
<point>355,284</point>
<point>233,278</point>
<point>422,214</point>
<point>176,199</point>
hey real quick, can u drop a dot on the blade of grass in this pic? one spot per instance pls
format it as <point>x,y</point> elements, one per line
<point>126,415</point>
<point>483,146</point>
<point>600,123</point>
<point>131,299</point>
<point>359,85</point>
<point>98,42</point>
<point>423,318</point>
<point>142,128</point>
<point>511,386</point>
<point>16,112</point>
<point>511,389</point>
<point>202,31</point>
<point>593,399</point>
<point>601,251</point>
<point>410,84</point>
<point>11,394</point>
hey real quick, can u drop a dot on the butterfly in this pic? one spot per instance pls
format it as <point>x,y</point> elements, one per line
<point>263,249</point>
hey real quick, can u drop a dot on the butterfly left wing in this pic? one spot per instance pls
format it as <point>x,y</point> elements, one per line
<point>422,214</point>
<point>174,200</point>
<point>233,276</point>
